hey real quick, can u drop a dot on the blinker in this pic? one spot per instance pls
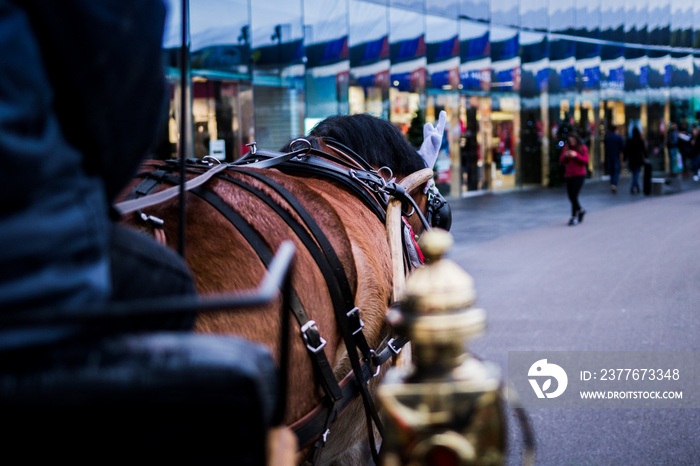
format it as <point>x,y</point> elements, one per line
<point>439,211</point>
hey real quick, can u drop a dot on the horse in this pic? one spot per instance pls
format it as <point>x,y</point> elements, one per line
<point>330,194</point>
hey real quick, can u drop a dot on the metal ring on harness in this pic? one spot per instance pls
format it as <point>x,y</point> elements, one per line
<point>212,158</point>
<point>391,173</point>
<point>308,143</point>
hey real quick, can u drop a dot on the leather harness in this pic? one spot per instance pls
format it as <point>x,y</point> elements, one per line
<point>356,174</point>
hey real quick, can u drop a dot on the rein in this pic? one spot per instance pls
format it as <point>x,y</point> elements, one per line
<point>359,181</point>
<point>378,194</point>
<point>133,205</point>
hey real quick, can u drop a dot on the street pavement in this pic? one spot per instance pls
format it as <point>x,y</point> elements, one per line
<point>626,279</point>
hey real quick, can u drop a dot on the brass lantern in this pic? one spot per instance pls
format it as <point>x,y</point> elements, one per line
<point>446,407</point>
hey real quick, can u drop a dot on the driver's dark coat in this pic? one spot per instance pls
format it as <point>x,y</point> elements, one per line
<point>81,96</point>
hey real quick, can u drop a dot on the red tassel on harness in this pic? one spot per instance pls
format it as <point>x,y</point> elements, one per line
<point>413,252</point>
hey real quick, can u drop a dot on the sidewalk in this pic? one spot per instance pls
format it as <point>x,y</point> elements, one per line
<point>481,218</point>
<point>624,280</point>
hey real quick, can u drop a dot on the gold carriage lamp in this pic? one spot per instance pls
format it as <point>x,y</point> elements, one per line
<point>446,407</point>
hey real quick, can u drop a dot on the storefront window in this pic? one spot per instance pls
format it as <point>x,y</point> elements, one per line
<point>168,140</point>
<point>504,162</point>
<point>509,73</point>
<point>219,37</point>
<point>475,106</point>
<point>479,10</point>
<point>562,85</point>
<point>278,75</point>
<point>533,15</point>
<point>534,53</point>
<point>448,165</point>
<point>475,57</point>
<point>219,129</point>
<point>408,65</point>
<point>368,40</point>
<point>443,82</point>
<point>328,59</point>
<point>475,117</point>
<point>220,61</point>
<point>505,12</point>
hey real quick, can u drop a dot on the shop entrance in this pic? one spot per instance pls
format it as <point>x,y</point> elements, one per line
<point>612,113</point>
<point>475,125</point>
<point>404,106</point>
<point>448,165</point>
<point>368,99</point>
<point>657,117</point>
<point>217,125</point>
<point>216,111</point>
<point>585,124</point>
<point>505,136</point>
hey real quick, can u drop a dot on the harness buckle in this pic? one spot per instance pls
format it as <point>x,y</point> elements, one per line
<point>376,362</point>
<point>311,325</point>
<point>325,435</point>
<point>253,147</point>
<point>390,344</point>
<point>354,316</point>
<point>152,220</point>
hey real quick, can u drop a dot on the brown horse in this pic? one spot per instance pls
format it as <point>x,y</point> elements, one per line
<point>259,208</point>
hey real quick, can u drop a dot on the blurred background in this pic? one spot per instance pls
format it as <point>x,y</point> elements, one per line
<point>513,76</point>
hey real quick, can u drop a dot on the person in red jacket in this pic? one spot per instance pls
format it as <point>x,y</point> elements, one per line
<point>574,157</point>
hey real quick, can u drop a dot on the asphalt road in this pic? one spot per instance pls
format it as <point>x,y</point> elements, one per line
<point>626,279</point>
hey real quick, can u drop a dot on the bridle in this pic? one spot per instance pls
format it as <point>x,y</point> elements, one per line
<point>375,191</point>
<point>346,167</point>
<point>439,213</point>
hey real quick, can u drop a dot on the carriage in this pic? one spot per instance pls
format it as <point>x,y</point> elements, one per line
<point>297,256</point>
<point>221,397</point>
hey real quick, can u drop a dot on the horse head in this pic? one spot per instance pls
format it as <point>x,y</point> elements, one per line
<point>383,146</point>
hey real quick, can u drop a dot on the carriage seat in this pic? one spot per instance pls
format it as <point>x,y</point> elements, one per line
<point>164,395</point>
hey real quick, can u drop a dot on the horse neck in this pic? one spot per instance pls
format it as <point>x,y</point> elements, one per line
<point>418,195</point>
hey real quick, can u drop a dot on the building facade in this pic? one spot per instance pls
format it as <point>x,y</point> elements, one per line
<point>509,74</point>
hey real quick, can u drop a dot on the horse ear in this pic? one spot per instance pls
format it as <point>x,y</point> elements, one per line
<point>432,140</point>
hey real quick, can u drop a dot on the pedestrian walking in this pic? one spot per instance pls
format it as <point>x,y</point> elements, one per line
<point>636,152</point>
<point>675,161</point>
<point>614,146</point>
<point>696,153</point>
<point>685,149</point>
<point>574,157</point>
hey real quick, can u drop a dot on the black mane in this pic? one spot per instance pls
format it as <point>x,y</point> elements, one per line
<point>378,141</point>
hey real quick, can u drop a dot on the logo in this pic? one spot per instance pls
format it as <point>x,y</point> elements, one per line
<point>542,369</point>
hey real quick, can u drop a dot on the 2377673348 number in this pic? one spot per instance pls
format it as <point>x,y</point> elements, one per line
<point>639,374</point>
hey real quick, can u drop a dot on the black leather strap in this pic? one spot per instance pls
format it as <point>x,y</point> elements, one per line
<point>341,283</point>
<point>314,454</point>
<point>133,205</point>
<point>335,399</point>
<point>334,144</point>
<point>150,182</point>
<point>310,333</point>
<point>344,324</point>
<point>317,167</point>
<point>266,159</point>
<point>310,429</point>
<point>391,346</point>
<point>312,338</point>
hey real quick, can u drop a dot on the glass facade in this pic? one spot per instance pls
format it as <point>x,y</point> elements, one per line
<point>508,73</point>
